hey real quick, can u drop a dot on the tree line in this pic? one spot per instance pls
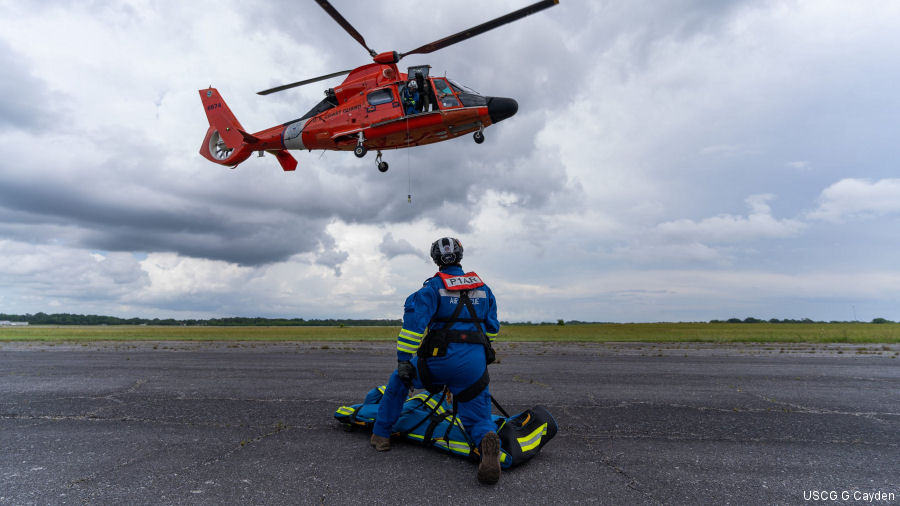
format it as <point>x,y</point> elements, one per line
<point>786,320</point>
<point>91,319</point>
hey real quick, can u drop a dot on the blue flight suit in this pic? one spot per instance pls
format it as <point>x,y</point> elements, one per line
<point>462,366</point>
<point>410,99</point>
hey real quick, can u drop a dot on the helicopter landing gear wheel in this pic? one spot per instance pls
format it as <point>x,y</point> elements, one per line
<point>479,136</point>
<point>360,149</point>
<point>382,166</point>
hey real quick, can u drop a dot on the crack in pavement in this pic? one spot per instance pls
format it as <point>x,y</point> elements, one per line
<point>688,436</point>
<point>797,408</point>
<point>202,424</point>
<point>631,482</point>
<point>112,396</point>
<point>231,450</point>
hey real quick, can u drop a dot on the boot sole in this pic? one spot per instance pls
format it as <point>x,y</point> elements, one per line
<point>489,468</point>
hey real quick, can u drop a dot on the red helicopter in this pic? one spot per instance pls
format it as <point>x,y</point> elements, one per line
<point>376,107</point>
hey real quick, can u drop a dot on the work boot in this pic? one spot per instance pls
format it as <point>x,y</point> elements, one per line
<point>489,468</point>
<point>381,444</point>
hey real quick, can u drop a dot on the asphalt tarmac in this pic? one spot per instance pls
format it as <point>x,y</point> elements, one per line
<point>252,423</point>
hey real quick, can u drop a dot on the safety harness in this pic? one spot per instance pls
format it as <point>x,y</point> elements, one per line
<point>436,341</point>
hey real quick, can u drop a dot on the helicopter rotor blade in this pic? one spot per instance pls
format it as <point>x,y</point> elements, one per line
<point>325,4</point>
<point>301,83</point>
<point>478,30</point>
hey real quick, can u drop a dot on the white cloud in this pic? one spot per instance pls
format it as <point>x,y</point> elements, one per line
<point>858,199</point>
<point>35,274</point>
<point>726,228</point>
<point>611,194</point>
<point>800,165</point>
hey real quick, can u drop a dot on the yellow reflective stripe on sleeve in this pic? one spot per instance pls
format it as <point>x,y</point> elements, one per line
<point>345,410</point>
<point>531,441</point>
<point>502,456</point>
<point>406,348</point>
<point>491,335</point>
<point>408,341</point>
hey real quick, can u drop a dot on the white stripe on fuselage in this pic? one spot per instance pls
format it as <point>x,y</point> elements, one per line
<point>292,136</point>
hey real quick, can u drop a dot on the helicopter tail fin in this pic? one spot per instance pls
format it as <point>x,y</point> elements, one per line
<point>288,162</point>
<point>226,141</point>
<point>221,117</point>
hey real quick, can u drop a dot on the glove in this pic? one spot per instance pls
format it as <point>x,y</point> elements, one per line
<point>489,355</point>
<point>407,372</point>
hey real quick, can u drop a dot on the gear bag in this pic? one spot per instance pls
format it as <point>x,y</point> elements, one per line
<point>430,420</point>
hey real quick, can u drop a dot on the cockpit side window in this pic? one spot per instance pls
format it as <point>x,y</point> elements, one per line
<point>381,96</point>
<point>444,94</point>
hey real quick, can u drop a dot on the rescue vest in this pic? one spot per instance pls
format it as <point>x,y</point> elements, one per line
<point>462,284</point>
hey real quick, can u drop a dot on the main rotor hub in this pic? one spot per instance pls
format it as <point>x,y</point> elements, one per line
<point>387,57</point>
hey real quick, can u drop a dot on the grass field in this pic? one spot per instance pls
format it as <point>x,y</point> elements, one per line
<point>607,332</point>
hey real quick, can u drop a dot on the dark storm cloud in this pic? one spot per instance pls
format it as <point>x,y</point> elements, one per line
<point>204,229</point>
<point>254,219</point>
<point>23,98</point>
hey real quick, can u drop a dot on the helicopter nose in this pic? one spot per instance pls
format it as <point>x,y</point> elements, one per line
<point>500,108</point>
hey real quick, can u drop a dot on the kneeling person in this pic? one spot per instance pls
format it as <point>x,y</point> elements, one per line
<point>459,313</point>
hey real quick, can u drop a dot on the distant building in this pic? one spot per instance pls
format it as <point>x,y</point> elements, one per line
<point>7,323</point>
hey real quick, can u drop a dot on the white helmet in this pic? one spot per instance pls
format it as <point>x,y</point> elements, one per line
<point>446,251</point>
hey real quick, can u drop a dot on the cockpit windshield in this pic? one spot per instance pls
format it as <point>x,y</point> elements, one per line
<point>468,96</point>
<point>450,94</point>
<point>441,87</point>
<point>461,88</point>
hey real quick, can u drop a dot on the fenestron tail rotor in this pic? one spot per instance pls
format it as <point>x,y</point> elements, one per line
<point>394,57</point>
<point>218,148</point>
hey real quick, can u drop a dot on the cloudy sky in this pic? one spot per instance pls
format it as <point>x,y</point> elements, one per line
<point>676,160</point>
